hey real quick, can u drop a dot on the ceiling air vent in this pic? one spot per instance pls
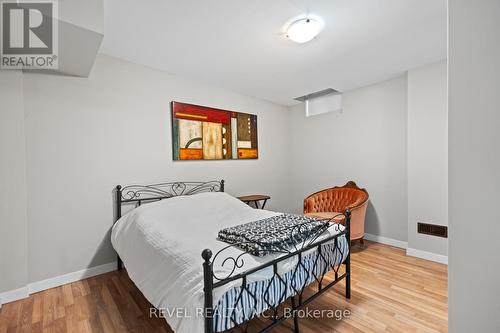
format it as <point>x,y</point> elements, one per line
<point>317,94</point>
<point>432,229</point>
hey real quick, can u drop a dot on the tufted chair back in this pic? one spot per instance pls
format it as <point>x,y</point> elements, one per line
<point>338,199</point>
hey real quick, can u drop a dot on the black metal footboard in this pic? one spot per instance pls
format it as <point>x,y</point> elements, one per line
<point>311,266</point>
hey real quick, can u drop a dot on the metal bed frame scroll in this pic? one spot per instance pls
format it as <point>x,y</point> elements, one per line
<point>301,296</point>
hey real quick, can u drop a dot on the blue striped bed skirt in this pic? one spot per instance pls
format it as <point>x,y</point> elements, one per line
<point>239,304</point>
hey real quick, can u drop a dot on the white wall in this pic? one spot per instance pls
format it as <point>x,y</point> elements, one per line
<point>366,143</point>
<point>13,222</point>
<point>474,165</point>
<point>84,136</point>
<point>427,155</point>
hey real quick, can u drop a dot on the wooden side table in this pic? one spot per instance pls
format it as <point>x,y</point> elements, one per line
<point>255,199</point>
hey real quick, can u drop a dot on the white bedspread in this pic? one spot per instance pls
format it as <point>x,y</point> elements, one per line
<point>161,243</point>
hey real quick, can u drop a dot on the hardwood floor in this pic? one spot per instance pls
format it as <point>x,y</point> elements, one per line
<point>390,293</point>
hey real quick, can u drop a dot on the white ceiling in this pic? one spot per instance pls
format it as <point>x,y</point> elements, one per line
<point>239,44</point>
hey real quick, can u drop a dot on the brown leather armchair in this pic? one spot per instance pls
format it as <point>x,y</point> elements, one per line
<point>330,202</point>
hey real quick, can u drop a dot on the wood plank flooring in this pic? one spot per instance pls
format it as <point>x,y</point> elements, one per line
<point>390,293</point>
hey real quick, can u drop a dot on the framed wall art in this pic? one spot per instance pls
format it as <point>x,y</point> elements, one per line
<point>205,133</point>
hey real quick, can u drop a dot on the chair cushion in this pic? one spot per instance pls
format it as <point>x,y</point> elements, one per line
<point>337,217</point>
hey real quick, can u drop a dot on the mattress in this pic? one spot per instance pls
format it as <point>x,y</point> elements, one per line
<point>161,243</point>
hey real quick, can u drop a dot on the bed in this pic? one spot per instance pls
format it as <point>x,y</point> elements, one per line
<point>160,244</point>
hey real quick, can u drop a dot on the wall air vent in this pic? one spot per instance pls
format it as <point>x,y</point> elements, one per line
<point>432,229</point>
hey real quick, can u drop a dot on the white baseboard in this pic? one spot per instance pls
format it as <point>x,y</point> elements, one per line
<point>57,281</point>
<point>386,241</point>
<point>427,255</point>
<point>409,251</point>
<point>13,295</point>
<point>70,277</point>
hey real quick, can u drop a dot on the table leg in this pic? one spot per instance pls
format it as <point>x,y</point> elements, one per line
<point>264,204</point>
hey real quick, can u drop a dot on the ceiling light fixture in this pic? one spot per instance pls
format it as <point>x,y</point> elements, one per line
<point>303,30</point>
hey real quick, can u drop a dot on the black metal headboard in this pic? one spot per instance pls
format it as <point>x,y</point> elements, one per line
<point>154,192</point>
<point>139,194</point>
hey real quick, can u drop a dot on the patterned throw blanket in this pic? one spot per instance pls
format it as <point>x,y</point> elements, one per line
<point>274,234</point>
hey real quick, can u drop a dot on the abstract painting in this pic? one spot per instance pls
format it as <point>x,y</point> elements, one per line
<point>203,133</point>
